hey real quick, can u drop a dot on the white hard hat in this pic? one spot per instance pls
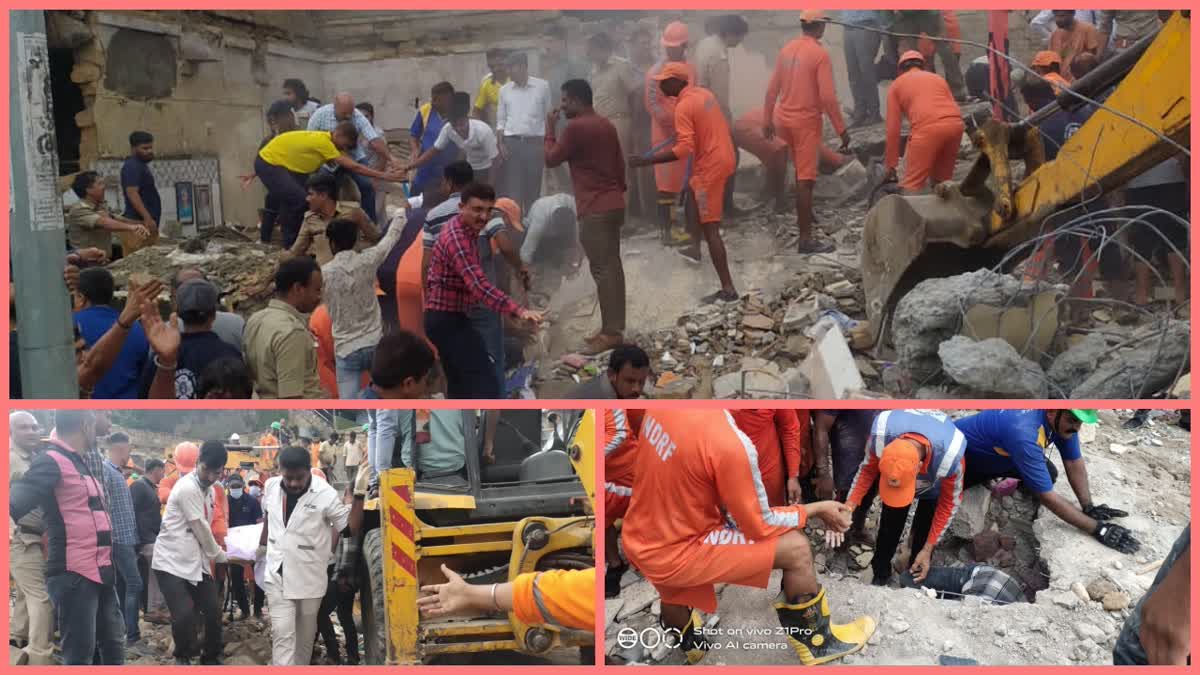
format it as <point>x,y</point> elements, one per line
<point>235,439</point>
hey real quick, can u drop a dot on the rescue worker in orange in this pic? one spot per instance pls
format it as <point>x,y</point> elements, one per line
<point>703,138</point>
<point>800,92</point>
<point>935,124</point>
<point>912,456</point>
<point>668,178</point>
<point>699,516</point>
<point>773,153</point>
<point>1048,65</point>
<point>556,598</point>
<point>620,445</point>
<point>775,433</point>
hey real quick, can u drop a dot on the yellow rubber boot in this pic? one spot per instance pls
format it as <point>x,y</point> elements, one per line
<point>692,642</point>
<point>815,638</point>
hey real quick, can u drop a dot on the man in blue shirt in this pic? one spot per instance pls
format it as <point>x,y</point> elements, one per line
<point>142,202</point>
<point>94,320</point>
<point>426,126</point>
<point>1013,443</point>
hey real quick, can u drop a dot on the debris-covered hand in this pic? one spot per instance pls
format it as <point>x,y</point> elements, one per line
<point>1104,512</point>
<point>1117,537</point>
<point>920,566</point>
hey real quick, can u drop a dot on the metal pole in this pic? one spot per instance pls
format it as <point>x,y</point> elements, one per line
<point>37,240</point>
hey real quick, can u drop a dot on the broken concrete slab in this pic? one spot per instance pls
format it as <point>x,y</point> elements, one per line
<point>1029,327</point>
<point>830,367</point>
<point>1075,364</point>
<point>801,314</point>
<point>1144,368</point>
<point>932,312</point>
<point>971,517</point>
<point>991,367</point>
<point>638,597</point>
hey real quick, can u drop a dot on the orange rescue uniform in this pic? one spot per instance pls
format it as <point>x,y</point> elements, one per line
<point>620,455</point>
<point>936,128</point>
<point>776,436</point>
<point>800,91</point>
<point>564,598</point>
<point>748,134</point>
<point>702,136</point>
<point>668,177</point>
<point>690,464</point>
<point>321,326</point>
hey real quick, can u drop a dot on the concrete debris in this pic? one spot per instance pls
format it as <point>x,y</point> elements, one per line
<point>991,367</point>
<point>1115,601</point>
<point>1118,449</point>
<point>1083,593</point>
<point>900,627</point>
<point>831,369</point>
<point>638,598</point>
<point>1151,364</point>
<point>1076,363</point>
<point>971,517</point>
<point>932,311</point>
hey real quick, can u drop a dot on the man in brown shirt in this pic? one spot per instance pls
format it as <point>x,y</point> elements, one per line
<point>280,351</point>
<point>89,222</point>
<point>592,149</point>
<point>1072,38</point>
<point>324,208</point>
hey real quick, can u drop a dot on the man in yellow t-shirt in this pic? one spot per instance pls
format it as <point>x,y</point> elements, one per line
<point>285,163</point>
<point>489,88</point>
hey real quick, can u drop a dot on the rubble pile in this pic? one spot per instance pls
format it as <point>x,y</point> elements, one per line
<point>243,269</point>
<point>1080,592</point>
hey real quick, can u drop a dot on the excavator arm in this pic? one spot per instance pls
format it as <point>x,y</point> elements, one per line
<point>967,226</point>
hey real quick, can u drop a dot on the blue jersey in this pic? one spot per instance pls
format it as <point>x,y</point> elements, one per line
<point>946,442</point>
<point>1001,442</point>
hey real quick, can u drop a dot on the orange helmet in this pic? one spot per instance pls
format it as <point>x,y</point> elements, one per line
<point>910,55</point>
<point>813,16</point>
<point>675,34</point>
<point>511,209</point>
<point>1047,59</point>
<point>186,456</point>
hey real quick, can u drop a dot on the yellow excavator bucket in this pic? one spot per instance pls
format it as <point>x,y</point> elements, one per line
<point>973,224</point>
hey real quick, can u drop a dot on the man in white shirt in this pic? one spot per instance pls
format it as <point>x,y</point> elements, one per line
<point>355,451</point>
<point>183,555</point>
<point>521,131</point>
<point>473,137</point>
<point>301,514</point>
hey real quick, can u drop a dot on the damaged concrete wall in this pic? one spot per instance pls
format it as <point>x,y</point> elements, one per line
<point>197,82</point>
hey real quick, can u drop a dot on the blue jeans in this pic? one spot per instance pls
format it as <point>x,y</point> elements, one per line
<point>129,588</point>
<point>350,370</point>
<point>366,191</point>
<point>490,327</point>
<point>89,616</point>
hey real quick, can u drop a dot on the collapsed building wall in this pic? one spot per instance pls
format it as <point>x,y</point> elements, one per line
<point>200,80</point>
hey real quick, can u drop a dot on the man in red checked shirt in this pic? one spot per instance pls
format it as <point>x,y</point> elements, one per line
<point>455,283</point>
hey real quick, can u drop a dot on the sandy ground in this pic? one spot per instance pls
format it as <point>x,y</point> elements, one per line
<point>1149,476</point>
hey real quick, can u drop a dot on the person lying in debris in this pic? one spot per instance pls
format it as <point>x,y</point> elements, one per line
<point>1013,443</point>
<point>677,535</point>
<point>956,583</point>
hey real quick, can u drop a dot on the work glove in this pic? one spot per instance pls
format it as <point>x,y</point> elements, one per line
<point>1116,537</point>
<point>1104,512</point>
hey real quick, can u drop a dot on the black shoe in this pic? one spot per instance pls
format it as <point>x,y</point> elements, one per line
<point>216,661</point>
<point>1138,420</point>
<point>612,581</point>
<point>720,296</point>
<point>180,661</point>
<point>879,581</point>
<point>812,246</point>
<point>690,254</point>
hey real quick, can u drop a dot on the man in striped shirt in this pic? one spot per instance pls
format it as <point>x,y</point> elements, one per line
<point>456,282</point>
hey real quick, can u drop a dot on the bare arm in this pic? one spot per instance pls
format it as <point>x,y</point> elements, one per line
<point>1078,477</point>
<point>135,200</point>
<point>1067,512</point>
<point>364,170</point>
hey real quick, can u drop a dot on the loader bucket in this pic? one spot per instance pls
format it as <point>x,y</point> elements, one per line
<point>910,238</point>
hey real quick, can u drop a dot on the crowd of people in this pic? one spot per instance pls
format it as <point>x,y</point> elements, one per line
<point>100,544</point>
<point>753,478</point>
<point>488,199</point>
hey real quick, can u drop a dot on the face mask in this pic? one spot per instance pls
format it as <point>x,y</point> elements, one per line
<point>254,490</point>
<point>236,492</point>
